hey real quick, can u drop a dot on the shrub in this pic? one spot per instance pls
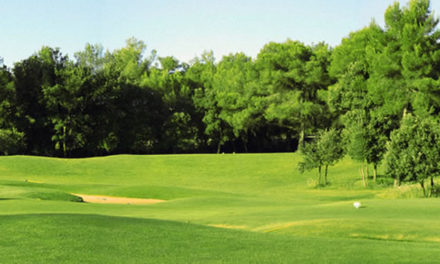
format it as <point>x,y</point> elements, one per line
<point>11,141</point>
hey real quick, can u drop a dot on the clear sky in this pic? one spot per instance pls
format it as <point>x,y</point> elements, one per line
<point>182,28</point>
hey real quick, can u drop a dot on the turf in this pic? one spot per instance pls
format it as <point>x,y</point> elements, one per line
<point>247,208</point>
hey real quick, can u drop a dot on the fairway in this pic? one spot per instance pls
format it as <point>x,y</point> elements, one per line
<point>244,208</point>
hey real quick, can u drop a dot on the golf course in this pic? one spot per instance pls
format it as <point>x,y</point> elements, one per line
<point>208,208</point>
<point>220,132</point>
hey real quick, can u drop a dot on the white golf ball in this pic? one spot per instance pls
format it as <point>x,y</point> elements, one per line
<point>357,205</point>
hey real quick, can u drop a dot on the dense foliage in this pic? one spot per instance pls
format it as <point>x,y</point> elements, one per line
<point>128,101</point>
<point>414,152</point>
<point>125,102</point>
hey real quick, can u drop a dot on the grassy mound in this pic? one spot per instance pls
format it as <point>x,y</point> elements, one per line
<point>54,196</point>
<point>17,190</point>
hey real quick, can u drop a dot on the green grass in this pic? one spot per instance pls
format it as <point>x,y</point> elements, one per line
<point>131,240</point>
<point>244,208</point>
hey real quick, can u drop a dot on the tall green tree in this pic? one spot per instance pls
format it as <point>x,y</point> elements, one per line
<point>181,125</point>
<point>237,95</point>
<point>323,151</point>
<point>404,75</point>
<point>201,74</point>
<point>98,96</point>
<point>366,127</point>
<point>31,75</point>
<point>138,110</point>
<point>11,140</point>
<point>67,103</point>
<point>292,75</point>
<point>8,105</point>
<point>413,152</point>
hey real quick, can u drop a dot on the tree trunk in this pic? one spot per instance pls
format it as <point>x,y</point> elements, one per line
<point>374,172</point>
<point>396,182</point>
<point>64,141</point>
<point>432,186</point>
<point>423,188</point>
<point>219,145</point>
<point>302,136</point>
<point>325,175</point>
<point>319,175</point>
<point>366,171</point>
<point>363,175</point>
<point>245,145</point>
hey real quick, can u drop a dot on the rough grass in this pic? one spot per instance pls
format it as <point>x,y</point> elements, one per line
<point>253,208</point>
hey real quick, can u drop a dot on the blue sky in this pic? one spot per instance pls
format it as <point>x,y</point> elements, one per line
<point>182,28</point>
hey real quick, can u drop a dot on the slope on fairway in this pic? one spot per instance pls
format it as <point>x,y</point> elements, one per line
<point>229,173</point>
<point>171,176</point>
<point>105,239</point>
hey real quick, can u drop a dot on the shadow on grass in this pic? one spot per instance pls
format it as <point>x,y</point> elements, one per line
<point>7,199</point>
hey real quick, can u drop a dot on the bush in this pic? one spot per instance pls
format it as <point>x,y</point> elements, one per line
<point>11,141</point>
<point>405,191</point>
<point>435,191</point>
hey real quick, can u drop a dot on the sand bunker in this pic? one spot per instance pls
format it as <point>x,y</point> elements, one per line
<point>115,200</point>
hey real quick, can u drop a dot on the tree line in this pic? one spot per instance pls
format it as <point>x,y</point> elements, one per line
<point>127,102</point>
<point>386,96</point>
<point>375,97</point>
